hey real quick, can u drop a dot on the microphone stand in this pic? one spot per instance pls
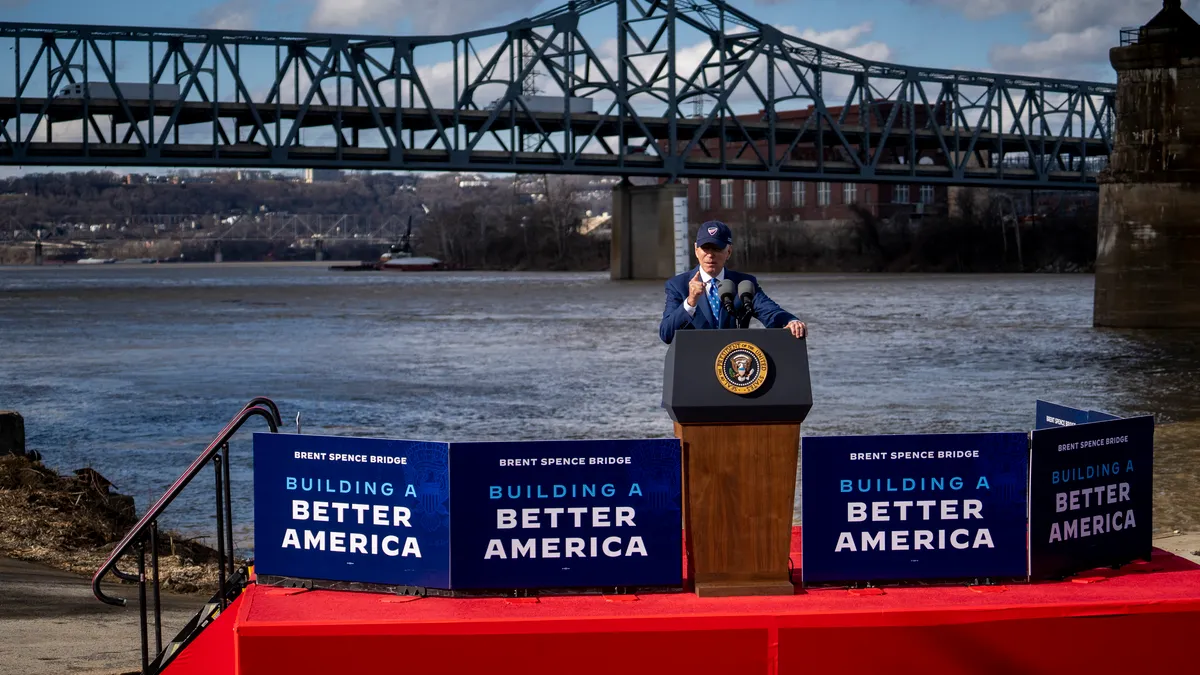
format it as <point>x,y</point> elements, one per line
<point>746,315</point>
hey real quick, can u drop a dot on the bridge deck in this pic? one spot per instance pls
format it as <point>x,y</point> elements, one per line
<point>422,119</point>
<point>244,154</point>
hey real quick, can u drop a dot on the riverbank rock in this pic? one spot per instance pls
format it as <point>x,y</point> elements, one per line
<point>12,433</point>
<point>73,522</point>
<point>63,512</point>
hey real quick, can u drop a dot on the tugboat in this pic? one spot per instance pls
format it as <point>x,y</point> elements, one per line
<point>399,258</point>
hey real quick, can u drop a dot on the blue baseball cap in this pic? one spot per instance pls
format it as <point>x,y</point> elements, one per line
<point>714,232</point>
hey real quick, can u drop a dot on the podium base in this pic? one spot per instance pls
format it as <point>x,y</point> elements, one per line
<point>725,589</point>
<point>739,490</point>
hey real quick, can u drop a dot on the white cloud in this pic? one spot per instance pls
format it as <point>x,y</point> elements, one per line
<point>438,79</point>
<point>230,15</point>
<point>981,9</point>
<point>1061,54</point>
<point>426,16</point>
<point>847,40</point>
<point>840,38</point>
<point>1056,16</point>
<point>1072,37</point>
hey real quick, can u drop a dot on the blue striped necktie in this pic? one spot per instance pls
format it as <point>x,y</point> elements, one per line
<point>713,301</point>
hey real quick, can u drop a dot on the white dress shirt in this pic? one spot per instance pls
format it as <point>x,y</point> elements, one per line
<point>707,279</point>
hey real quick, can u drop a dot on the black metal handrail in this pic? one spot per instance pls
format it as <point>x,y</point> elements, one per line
<point>145,533</point>
<point>1130,36</point>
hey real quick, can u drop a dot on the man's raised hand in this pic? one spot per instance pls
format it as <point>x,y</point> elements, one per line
<point>695,290</point>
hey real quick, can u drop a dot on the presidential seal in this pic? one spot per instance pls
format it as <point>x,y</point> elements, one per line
<point>741,368</point>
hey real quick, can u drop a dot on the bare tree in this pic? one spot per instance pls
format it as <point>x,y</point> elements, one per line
<point>562,213</point>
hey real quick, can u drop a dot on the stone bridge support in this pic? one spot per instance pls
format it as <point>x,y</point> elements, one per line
<point>1148,248</point>
<point>649,231</point>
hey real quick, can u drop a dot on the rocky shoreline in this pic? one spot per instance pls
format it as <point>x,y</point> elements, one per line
<point>72,523</point>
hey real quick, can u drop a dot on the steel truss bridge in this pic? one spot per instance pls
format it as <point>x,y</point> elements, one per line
<point>333,228</point>
<point>674,89</point>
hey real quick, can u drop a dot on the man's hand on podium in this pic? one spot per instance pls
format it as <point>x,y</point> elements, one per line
<point>797,328</point>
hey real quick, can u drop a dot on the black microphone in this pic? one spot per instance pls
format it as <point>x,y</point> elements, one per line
<point>726,292</point>
<point>746,291</point>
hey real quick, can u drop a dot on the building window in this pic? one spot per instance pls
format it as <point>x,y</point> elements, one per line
<point>926,194</point>
<point>900,194</point>
<point>705,194</point>
<point>726,194</point>
<point>751,194</point>
<point>822,194</point>
<point>798,193</point>
<point>849,193</point>
<point>773,194</point>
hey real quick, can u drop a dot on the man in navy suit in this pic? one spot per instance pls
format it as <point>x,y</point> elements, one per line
<point>692,300</point>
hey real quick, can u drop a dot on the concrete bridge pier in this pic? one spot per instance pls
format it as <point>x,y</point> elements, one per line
<point>37,252</point>
<point>649,231</point>
<point>1148,248</point>
<point>217,257</point>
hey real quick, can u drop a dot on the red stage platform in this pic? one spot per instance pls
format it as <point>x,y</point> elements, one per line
<point>1141,618</point>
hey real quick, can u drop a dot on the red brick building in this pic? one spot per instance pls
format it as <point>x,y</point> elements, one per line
<point>779,201</point>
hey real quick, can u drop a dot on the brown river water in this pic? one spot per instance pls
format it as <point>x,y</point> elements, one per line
<point>132,369</point>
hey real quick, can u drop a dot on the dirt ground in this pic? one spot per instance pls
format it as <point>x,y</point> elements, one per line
<point>1184,545</point>
<point>51,624</point>
<point>55,530</point>
<point>70,522</point>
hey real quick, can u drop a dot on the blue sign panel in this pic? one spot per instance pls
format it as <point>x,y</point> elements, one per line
<point>1050,415</point>
<point>557,514</point>
<point>1090,496</point>
<point>1097,416</point>
<point>352,509</point>
<point>891,508</point>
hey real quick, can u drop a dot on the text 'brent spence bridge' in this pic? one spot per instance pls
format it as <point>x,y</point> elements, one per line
<point>667,88</point>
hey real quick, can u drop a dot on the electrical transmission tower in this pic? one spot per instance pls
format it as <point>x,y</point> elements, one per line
<point>529,87</point>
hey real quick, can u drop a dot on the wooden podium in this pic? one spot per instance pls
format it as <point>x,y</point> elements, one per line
<point>740,426</point>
